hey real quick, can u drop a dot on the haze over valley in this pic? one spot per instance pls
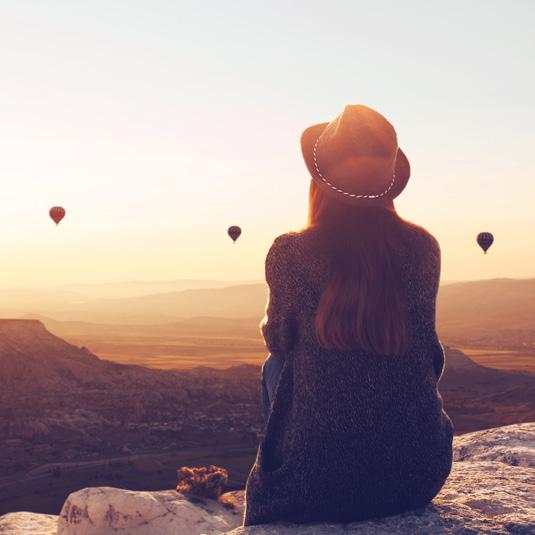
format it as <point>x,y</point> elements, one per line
<point>491,320</point>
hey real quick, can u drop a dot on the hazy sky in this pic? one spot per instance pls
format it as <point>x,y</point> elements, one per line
<point>158,124</point>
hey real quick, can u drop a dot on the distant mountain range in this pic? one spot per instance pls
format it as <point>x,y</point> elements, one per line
<point>467,308</point>
<point>111,290</point>
<point>491,313</point>
<point>247,300</point>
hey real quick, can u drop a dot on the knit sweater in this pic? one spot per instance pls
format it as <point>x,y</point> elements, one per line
<point>351,435</point>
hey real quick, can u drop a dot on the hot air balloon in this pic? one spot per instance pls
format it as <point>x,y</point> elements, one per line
<point>57,213</point>
<point>234,232</point>
<point>485,239</point>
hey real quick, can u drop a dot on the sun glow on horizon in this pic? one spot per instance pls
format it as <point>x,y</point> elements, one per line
<point>158,128</point>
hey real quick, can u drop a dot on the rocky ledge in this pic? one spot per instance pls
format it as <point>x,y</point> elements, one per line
<point>491,490</point>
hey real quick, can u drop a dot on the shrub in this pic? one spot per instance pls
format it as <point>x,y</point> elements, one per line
<point>202,481</point>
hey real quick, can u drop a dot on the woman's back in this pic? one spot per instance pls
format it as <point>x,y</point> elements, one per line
<point>357,427</point>
<point>370,426</point>
<point>419,263</point>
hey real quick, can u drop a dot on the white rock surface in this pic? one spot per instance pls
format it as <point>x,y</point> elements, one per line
<point>28,524</point>
<point>510,444</point>
<point>491,490</point>
<point>106,510</point>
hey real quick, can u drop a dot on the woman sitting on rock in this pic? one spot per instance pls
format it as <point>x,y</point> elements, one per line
<point>355,424</point>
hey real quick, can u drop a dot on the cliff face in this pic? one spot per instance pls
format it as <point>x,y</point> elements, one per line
<point>476,397</point>
<point>32,358</point>
<point>490,491</point>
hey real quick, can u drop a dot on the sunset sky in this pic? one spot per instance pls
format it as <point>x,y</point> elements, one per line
<point>159,124</point>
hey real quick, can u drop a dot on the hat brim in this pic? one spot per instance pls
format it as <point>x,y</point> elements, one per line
<point>403,169</point>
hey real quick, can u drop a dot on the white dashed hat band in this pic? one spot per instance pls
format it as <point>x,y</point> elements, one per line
<point>356,158</point>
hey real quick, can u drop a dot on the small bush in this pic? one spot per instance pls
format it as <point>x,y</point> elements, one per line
<point>208,482</point>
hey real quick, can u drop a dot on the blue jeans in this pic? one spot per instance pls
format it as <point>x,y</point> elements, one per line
<point>271,370</point>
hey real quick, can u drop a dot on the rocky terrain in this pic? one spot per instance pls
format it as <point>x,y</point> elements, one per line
<point>489,491</point>
<point>66,414</point>
<point>477,397</point>
<point>69,419</point>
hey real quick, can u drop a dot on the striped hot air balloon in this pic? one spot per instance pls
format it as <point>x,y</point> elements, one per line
<point>484,240</point>
<point>57,213</point>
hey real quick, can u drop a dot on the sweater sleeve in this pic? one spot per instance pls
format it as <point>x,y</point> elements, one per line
<point>278,324</point>
<point>432,268</point>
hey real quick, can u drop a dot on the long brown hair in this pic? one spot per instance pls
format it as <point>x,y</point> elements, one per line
<point>363,305</point>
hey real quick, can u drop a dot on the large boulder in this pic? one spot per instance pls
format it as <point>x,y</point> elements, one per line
<point>106,510</point>
<point>28,524</point>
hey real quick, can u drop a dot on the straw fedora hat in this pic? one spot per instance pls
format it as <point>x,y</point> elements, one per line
<point>355,158</point>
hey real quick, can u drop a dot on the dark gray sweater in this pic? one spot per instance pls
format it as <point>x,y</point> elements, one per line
<point>351,435</point>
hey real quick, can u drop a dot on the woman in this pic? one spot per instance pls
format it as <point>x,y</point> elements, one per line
<point>355,424</point>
